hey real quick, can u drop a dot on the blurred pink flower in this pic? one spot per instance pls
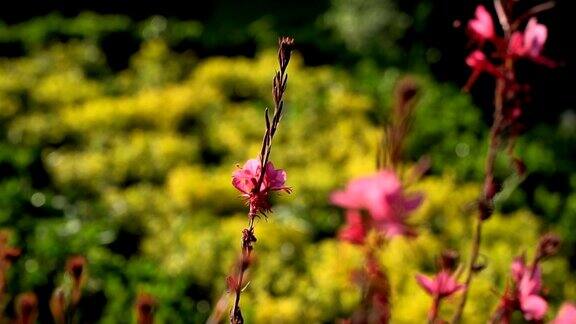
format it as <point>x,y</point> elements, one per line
<point>481,27</point>
<point>530,43</point>
<point>354,231</point>
<point>534,38</point>
<point>516,44</point>
<point>246,180</point>
<point>381,195</point>
<point>566,314</point>
<point>480,63</point>
<point>442,285</point>
<point>528,285</point>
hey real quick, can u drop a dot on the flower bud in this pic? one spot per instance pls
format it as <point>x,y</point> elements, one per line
<point>26,308</point>
<point>449,260</point>
<point>76,268</point>
<point>286,45</point>
<point>549,245</point>
<point>11,254</point>
<point>145,305</point>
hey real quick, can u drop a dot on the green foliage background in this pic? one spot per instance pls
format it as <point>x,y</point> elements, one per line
<point>132,169</point>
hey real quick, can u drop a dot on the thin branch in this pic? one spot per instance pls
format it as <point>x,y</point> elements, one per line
<point>502,17</point>
<point>248,237</point>
<point>532,12</point>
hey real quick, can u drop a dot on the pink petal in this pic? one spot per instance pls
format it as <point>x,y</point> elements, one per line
<point>386,192</point>
<point>447,284</point>
<point>242,181</point>
<point>516,44</point>
<point>275,178</point>
<point>353,197</point>
<point>476,60</point>
<point>245,178</point>
<point>530,284</point>
<point>518,268</point>
<point>429,285</point>
<point>482,25</point>
<point>413,202</point>
<point>252,166</point>
<point>534,37</point>
<point>534,307</point>
<point>566,314</point>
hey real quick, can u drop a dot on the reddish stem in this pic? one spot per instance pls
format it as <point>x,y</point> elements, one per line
<point>487,199</point>
<point>434,309</point>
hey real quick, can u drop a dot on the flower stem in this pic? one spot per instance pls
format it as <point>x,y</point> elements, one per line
<point>433,313</point>
<point>285,46</point>
<point>487,199</point>
<point>247,239</point>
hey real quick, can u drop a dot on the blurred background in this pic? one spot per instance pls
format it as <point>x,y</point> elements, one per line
<point>121,123</point>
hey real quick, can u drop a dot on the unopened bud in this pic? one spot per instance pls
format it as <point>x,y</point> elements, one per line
<point>145,305</point>
<point>76,268</point>
<point>406,90</point>
<point>11,254</point>
<point>285,47</point>
<point>449,260</point>
<point>549,245</point>
<point>27,308</point>
<point>485,208</point>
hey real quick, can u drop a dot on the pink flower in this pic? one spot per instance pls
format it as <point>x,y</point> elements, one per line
<point>528,286</point>
<point>441,286</point>
<point>534,38</point>
<point>530,43</point>
<point>481,27</point>
<point>354,231</point>
<point>533,306</point>
<point>246,181</point>
<point>566,315</point>
<point>381,195</point>
<point>480,63</point>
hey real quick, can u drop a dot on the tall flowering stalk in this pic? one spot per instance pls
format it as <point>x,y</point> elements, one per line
<point>515,44</point>
<point>258,178</point>
<point>377,209</point>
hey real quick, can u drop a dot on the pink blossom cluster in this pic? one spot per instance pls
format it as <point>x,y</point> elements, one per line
<point>513,45</point>
<point>375,202</point>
